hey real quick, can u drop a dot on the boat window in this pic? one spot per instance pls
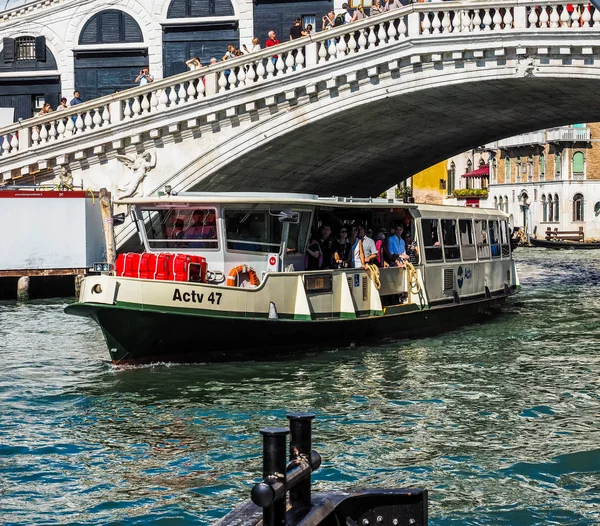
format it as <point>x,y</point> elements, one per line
<point>482,239</point>
<point>467,239</point>
<point>431,239</point>
<point>296,242</point>
<point>505,239</point>
<point>176,228</point>
<point>451,248</point>
<point>253,230</point>
<point>495,239</point>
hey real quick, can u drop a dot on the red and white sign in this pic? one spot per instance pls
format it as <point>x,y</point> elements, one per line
<point>273,263</point>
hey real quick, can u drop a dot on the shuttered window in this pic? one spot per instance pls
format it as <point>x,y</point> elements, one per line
<point>24,48</point>
<point>199,8</point>
<point>578,165</point>
<point>111,27</point>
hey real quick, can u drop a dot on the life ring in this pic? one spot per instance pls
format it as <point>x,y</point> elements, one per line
<point>232,278</point>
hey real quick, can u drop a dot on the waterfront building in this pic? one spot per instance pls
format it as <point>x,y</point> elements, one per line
<point>544,179</point>
<point>50,48</point>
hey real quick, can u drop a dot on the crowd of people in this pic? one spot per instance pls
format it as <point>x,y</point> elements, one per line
<point>355,247</point>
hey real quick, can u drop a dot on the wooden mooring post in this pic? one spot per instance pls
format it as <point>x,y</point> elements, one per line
<point>107,223</point>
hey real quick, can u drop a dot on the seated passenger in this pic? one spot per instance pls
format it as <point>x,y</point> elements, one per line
<point>396,248</point>
<point>200,228</point>
<point>342,249</point>
<point>177,232</point>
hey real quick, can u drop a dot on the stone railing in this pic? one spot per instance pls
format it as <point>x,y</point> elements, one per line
<point>568,134</point>
<point>523,139</point>
<point>27,8</point>
<point>327,48</point>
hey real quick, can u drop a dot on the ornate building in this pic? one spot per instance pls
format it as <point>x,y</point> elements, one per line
<point>49,48</point>
<point>544,179</point>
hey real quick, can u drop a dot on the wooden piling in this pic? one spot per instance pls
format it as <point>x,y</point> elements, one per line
<point>78,281</point>
<point>107,222</point>
<point>23,288</point>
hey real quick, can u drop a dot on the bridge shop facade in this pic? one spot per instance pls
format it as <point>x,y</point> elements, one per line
<point>50,48</point>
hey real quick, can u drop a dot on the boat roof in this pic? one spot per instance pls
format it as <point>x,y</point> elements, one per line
<point>192,199</point>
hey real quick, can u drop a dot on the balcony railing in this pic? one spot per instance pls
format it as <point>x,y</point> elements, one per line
<point>568,134</point>
<point>524,139</point>
<point>467,193</point>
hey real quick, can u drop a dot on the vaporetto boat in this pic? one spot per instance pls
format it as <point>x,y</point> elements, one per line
<point>223,277</point>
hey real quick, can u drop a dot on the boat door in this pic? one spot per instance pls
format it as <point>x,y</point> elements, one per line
<point>295,236</point>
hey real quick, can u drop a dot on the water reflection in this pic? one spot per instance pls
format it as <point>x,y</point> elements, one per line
<point>498,420</point>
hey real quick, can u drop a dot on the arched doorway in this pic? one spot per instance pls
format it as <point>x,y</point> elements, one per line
<point>111,66</point>
<point>524,209</point>
<point>21,94</point>
<point>187,35</point>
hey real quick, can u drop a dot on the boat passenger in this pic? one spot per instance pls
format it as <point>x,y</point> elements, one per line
<point>365,251</point>
<point>326,243</point>
<point>200,228</point>
<point>380,242</point>
<point>342,249</point>
<point>314,255</point>
<point>412,249</point>
<point>177,232</point>
<point>396,248</point>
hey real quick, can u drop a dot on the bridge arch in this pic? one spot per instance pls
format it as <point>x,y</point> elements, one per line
<point>328,142</point>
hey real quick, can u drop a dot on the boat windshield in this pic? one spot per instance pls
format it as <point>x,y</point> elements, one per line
<point>252,230</point>
<point>181,228</point>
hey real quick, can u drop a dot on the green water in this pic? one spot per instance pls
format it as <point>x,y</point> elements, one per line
<point>500,421</point>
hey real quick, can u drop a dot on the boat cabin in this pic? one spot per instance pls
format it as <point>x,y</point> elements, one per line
<point>270,233</point>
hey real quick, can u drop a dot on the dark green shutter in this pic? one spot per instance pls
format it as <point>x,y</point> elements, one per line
<point>40,49</point>
<point>9,49</point>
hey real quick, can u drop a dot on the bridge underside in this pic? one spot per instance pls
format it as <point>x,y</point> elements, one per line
<point>363,150</point>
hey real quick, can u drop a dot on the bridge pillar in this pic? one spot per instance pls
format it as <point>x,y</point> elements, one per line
<point>414,24</point>
<point>311,58</point>
<point>520,17</point>
<point>24,139</point>
<point>211,85</point>
<point>115,110</point>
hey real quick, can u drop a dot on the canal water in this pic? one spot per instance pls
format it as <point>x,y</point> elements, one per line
<point>500,421</point>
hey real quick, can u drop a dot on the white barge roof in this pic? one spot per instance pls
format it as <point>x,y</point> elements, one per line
<point>220,198</point>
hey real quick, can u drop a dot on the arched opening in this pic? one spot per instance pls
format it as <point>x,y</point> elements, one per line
<point>556,208</point>
<point>550,208</point>
<point>506,204</point>
<point>578,165</point>
<point>544,209</point>
<point>204,39</point>
<point>542,167</point>
<point>557,165</point>
<point>578,207</point>
<point>507,170</point>
<point>28,76</point>
<point>104,70</point>
<point>496,202</point>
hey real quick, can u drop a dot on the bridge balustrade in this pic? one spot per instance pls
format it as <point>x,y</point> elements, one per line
<point>290,58</point>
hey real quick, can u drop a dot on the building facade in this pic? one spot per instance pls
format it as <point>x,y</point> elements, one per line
<point>49,48</point>
<point>544,179</point>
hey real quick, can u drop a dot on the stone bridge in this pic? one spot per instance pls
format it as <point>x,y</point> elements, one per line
<point>349,111</point>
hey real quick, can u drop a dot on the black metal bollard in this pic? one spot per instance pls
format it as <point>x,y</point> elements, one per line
<point>300,447</point>
<point>274,464</point>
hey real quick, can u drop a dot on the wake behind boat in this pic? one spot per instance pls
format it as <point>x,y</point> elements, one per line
<point>227,276</point>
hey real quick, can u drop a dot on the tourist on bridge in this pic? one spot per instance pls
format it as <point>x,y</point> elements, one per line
<point>272,41</point>
<point>144,77</point>
<point>376,8</point>
<point>63,104</point>
<point>329,21</point>
<point>75,100</point>
<point>193,63</point>
<point>296,29</point>
<point>255,47</point>
<point>307,30</point>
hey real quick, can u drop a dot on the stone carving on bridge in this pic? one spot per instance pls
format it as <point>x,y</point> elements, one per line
<point>65,179</point>
<point>526,68</point>
<point>139,164</point>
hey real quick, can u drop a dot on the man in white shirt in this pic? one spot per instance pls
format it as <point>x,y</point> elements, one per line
<point>369,251</point>
<point>144,77</point>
